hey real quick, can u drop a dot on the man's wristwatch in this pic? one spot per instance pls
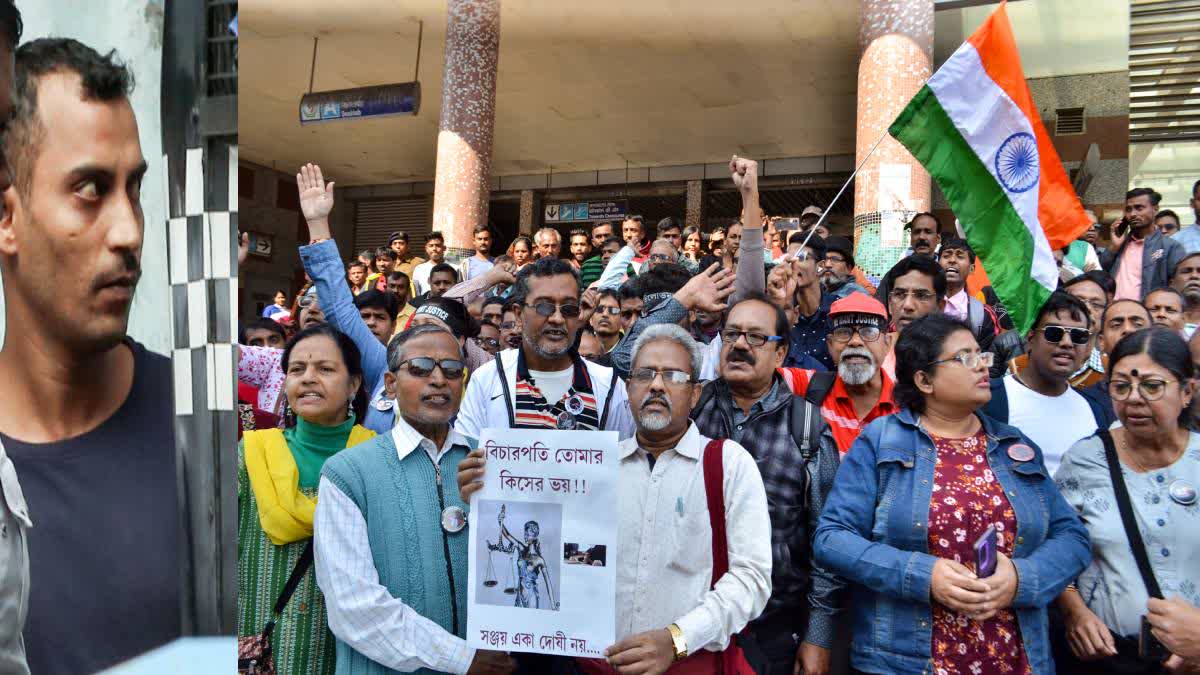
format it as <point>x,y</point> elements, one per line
<point>679,642</point>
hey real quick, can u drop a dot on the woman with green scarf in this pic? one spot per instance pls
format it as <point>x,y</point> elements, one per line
<point>278,474</point>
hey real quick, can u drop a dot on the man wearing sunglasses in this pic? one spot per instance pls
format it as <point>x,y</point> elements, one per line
<point>1039,400</point>
<point>384,609</point>
<point>545,384</point>
<point>606,320</point>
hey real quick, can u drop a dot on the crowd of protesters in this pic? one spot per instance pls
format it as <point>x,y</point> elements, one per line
<point>872,431</point>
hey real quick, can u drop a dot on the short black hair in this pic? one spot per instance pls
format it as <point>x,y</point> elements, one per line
<point>435,235</point>
<point>377,299</point>
<point>355,263</point>
<point>665,225</point>
<point>917,348</point>
<point>548,266</point>
<point>494,300</point>
<point>1164,347</point>
<point>257,323</point>
<point>1168,213</point>
<point>664,278</point>
<point>1114,303</point>
<point>601,224</point>
<point>444,267</point>
<point>482,227</point>
<point>1061,301</point>
<point>609,293</point>
<point>1168,289</point>
<point>613,240</point>
<point>957,244</point>
<point>918,262</point>
<point>1099,277</point>
<point>782,325</point>
<point>368,254</point>
<point>103,78</point>
<point>937,223</point>
<point>11,26</point>
<point>840,245</point>
<point>817,244</point>
<point>1155,198</point>
<point>1175,270</point>
<point>397,276</point>
<point>579,232</point>
<point>384,252</point>
<point>629,290</point>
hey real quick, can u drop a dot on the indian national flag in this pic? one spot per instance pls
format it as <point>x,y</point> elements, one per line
<point>975,129</point>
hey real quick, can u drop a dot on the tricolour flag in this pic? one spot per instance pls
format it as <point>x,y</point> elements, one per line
<point>975,129</point>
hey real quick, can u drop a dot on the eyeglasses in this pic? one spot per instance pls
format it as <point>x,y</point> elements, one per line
<point>1095,304</point>
<point>547,309</point>
<point>669,375</point>
<point>422,366</point>
<point>662,258</point>
<point>730,336</point>
<point>920,295</point>
<point>630,313</point>
<point>488,342</point>
<point>1054,334</point>
<point>829,259</point>
<point>1150,390</point>
<point>971,360</point>
<point>842,334</point>
<point>613,311</point>
<point>508,325</point>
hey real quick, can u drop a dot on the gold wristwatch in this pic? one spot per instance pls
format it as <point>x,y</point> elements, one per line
<point>677,639</point>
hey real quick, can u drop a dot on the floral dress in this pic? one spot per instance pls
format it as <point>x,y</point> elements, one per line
<point>966,499</point>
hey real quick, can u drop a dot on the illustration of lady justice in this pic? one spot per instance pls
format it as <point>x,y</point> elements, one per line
<point>529,563</point>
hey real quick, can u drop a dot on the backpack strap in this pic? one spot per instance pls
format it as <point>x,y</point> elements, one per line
<point>819,384</point>
<point>806,427</point>
<point>508,404</point>
<point>714,491</point>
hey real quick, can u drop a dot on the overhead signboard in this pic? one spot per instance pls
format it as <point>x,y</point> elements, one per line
<point>378,101</point>
<point>575,212</point>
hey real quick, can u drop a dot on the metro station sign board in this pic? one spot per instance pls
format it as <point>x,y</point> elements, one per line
<point>377,101</point>
<point>576,212</point>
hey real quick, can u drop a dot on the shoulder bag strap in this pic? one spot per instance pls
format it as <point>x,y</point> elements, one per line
<point>714,491</point>
<point>508,404</point>
<point>1127,518</point>
<point>289,588</point>
<point>819,385</point>
<point>607,400</point>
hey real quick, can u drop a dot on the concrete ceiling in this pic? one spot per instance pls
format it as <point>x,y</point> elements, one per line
<point>582,85</point>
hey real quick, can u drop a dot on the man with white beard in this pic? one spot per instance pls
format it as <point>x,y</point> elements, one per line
<point>860,391</point>
<point>668,605</point>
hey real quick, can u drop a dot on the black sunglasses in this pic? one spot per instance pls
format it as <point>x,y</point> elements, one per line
<point>422,366</point>
<point>1054,334</point>
<point>547,309</point>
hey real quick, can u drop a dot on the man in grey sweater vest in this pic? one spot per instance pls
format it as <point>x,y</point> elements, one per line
<point>390,539</point>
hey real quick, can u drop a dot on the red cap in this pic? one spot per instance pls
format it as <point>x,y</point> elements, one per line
<point>858,303</point>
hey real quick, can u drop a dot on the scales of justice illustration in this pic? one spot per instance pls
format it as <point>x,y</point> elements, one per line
<point>526,566</point>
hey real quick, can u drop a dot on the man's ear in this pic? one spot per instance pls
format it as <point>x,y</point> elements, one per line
<point>8,235</point>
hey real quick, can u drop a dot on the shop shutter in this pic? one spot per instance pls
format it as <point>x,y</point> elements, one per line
<point>375,220</point>
<point>1164,67</point>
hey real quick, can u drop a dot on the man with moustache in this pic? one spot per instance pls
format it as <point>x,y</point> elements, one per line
<point>1140,258</point>
<point>1119,319</point>
<point>751,404</point>
<point>581,248</point>
<point>87,418</point>
<point>958,262</point>
<point>590,270</point>
<point>837,272</point>
<point>1185,278</point>
<point>859,391</point>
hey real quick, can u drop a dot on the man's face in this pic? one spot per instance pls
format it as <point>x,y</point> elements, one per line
<point>858,360</point>
<point>1166,309</point>
<point>1093,232</point>
<point>590,347</point>
<point>263,337</point>
<point>378,321</point>
<point>606,319</point>
<point>912,297</point>
<point>399,287</point>
<point>957,266</point>
<point>600,233</point>
<point>631,309</point>
<point>581,248</point>
<point>384,264</point>
<point>429,401</point>
<point>83,205</point>
<point>610,249</point>
<point>661,252</point>
<point>834,267</point>
<point>435,249</point>
<point>1093,296</point>
<point>310,312</point>
<point>492,313</point>
<point>631,232</point>
<point>1167,225</point>
<point>550,337</point>
<point>483,242</point>
<point>924,236</point>
<point>743,366</point>
<point>1057,360</point>
<point>439,283</point>
<point>1122,318</point>
<point>399,247</point>
<point>805,267</point>
<point>1187,279</point>
<point>356,275</point>
<point>489,337</point>
<point>672,235</point>
<point>548,245</point>
<point>510,330</point>
<point>1140,212</point>
<point>659,406</point>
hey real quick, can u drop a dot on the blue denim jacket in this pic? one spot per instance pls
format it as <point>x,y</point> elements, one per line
<point>874,533</point>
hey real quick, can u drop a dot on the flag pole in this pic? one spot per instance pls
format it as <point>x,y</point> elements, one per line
<point>829,208</point>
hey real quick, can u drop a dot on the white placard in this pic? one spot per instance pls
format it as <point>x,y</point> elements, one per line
<point>544,580</point>
<point>891,229</point>
<point>895,187</point>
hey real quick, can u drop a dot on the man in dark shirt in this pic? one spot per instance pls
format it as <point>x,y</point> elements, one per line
<point>87,416</point>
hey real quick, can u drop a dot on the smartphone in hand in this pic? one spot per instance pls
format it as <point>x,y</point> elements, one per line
<point>985,552</point>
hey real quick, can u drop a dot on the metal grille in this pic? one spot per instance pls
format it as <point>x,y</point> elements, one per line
<point>376,220</point>
<point>1068,121</point>
<point>1164,71</point>
<point>222,48</point>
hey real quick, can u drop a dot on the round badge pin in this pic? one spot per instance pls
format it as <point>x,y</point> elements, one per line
<point>384,404</point>
<point>1020,452</point>
<point>454,519</point>
<point>565,421</point>
<point>574,405</point>
<point>1182,492</point>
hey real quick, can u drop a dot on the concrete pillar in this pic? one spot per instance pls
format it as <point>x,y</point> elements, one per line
<point>895,41</point>
<point>530,205</point>
<point>464,153</point>
<point>694,211</point>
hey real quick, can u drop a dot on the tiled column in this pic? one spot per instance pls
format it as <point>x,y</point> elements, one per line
<point>464,152</point>
<point>530,205</point>
<point>694,211</point>
<point>895,41</point>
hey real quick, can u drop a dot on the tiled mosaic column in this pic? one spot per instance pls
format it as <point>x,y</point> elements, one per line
<point>694,210</point>
<point>464,152</point>
<point>895,41</point>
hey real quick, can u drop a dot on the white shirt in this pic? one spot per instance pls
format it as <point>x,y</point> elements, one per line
<point>553,384</point>
<point>362,612</point>
<point>664,561</point>
<point>420,276</point>
<point>1055,423</point>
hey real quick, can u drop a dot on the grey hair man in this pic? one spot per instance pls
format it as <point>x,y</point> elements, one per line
<point>549,242</point>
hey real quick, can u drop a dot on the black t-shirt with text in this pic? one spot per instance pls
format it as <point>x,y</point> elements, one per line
<point>103,551</point>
